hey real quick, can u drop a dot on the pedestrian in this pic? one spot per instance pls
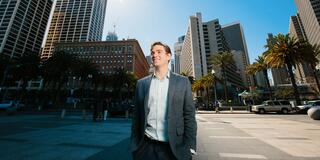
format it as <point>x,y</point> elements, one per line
<point>218,104</point>
<point>164,125</point>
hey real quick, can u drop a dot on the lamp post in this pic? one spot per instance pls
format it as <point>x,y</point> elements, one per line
<point>215,85</point>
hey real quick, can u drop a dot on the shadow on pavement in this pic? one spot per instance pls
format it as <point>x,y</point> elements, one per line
<point>119,151</point>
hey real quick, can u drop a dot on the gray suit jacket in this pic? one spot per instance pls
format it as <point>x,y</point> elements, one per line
<point>182,126</point>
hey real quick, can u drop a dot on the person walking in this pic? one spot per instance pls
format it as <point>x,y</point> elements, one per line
<point>164,125</point>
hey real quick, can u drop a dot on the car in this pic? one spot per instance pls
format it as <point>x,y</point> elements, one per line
<point>279,106</point>
<point>304,108</point>
<point>7,104</point>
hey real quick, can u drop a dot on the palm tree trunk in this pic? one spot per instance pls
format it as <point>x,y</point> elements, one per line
<point>208,97</point>
<point>293,82</point>
<point>225,84</point>
<point>265,73</point>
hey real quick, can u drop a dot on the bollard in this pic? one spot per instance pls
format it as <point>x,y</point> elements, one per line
<point>231,109</point>
<point>39,108</point>
<point>63,113</point>
<point>105,115</point>
<point>84,114</point>
<point>127,114</point>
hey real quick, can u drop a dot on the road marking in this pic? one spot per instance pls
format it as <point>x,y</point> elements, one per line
<point>208,128</point>
<point>232,137</point>
<point>238,155</point>
<point>201,119</point>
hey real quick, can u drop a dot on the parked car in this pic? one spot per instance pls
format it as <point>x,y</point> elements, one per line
<point>7,104</point>
<point>304,108</point>
<point>279,106</point>
<point>10,104</point>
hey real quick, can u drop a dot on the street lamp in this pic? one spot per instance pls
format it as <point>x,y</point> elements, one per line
<point>215,85</point>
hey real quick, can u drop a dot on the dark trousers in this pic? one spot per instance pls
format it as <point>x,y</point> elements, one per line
<point>153,150</point>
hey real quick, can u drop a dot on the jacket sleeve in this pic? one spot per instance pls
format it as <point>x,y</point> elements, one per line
<point>190,130</point>
<point>135,121</point>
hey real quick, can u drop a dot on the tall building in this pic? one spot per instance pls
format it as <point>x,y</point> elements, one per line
<point>202,40</point>
<point>261,80</point>
<point>22,26</point>
<point>303,72</point>
<point>279,75</point>
<point>112,36</point>
<point>309,13</point>
<point>177,53</point>
<point>74,21</point>
<point>110,56</point>
<point>235,39</point>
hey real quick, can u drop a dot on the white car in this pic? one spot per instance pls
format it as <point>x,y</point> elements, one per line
<point>308,105</point>
<point>280,106</point>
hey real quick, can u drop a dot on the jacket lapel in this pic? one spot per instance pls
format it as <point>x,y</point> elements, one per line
<point>171,91</point>
<point>146,99</point>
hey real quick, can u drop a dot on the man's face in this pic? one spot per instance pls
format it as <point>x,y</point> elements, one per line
<point>159,56</point>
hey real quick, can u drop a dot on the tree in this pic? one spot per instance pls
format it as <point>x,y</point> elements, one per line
<point>204,84</point>
<point>284,92</point>
<point>86,71</point>
<point>286,51</point>
<point>26,69</point>
<point>260,66</point>
<point>57,69</point>
<point>223,60</point>
<point>4,63</point>
<point>190,77</point>
<point>123,81</point>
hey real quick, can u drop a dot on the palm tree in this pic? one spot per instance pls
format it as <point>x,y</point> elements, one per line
<point>187,74</point>
<point>223,60</point>
<point>57,69</point>
<point>85,70</point>
<point>26,69</point>
<point>285,52</point>
<point>123,80</point>
<point>4,63</point>
<point>197,86</point>
<point>260,66</point>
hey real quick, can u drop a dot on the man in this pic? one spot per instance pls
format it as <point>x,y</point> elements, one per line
<point>164,125</point>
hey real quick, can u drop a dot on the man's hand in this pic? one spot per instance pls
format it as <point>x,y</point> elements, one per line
<point>193,152</point>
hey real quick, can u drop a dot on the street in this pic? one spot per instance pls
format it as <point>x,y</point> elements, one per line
<point>220,137</point>
<point>254,136</point>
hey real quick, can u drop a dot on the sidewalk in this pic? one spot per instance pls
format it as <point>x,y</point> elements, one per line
<point>225,112</point>
<point>49,137</point>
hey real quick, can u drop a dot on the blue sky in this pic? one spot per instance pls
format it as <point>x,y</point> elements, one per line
<point>166,20</point>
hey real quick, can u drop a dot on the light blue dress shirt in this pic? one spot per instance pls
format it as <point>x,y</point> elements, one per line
<point>157,121</point>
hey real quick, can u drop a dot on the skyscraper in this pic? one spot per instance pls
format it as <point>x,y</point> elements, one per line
<point>22,26</point>
<point>75,21</point>
<point>303,73</point>
<point>309,13</point>
<point>177,53</point>
<point>202,40</point>
<point>236,41</point>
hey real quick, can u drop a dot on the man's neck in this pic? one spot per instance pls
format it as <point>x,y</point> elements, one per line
<point>161,72</point>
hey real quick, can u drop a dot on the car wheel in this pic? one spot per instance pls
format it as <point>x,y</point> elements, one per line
<point>285,111</point>
<point>262,111</point>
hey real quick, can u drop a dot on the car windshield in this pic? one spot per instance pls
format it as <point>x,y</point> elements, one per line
<point>310,103</point>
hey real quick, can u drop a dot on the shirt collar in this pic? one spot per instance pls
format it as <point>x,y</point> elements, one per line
<point>167,76</point>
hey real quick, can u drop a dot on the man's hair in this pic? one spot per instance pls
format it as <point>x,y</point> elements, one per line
<point>166,47</point>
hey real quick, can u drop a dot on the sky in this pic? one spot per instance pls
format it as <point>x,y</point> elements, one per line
<point>166,20</point>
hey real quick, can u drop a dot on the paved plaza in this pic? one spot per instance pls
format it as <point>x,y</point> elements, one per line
<point>225,136</point>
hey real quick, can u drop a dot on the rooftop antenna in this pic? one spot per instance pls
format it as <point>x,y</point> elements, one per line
<point>114,28</point>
